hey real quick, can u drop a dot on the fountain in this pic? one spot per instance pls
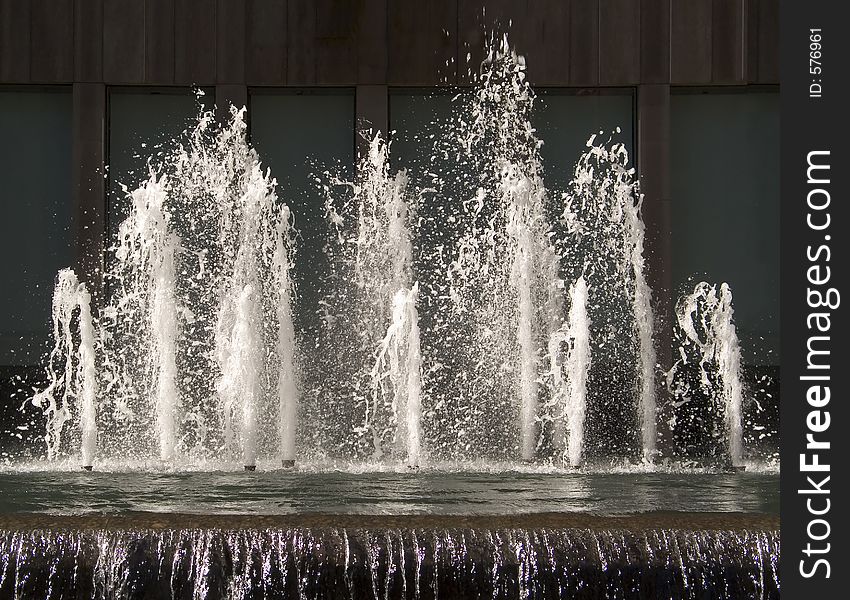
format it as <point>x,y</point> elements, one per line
<point>72,392</point>
<point>372,230</point>
<point>569,374</point>
<point>471,322</point>
<point>535,307</point>
<point>208,292</point>
<point>709,342</point>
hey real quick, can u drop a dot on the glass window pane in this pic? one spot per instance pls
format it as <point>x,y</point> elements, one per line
<point>418,120</point>
<point>35,217</point>
<point>140,125</point>
<point>565,122</point>
<point>301,135</point>
<point>725,186</point>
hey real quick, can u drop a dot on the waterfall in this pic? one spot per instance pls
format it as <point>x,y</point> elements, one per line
<point>393,563</point>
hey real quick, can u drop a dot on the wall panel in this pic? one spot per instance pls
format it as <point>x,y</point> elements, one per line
<point>88,41</point>
<point>230,41</point>
<point>655,41</point>
<point>728,51</point>
<point>195,41</point>
<point>159,42</point>
<point>768,41</point>
<point>422,42</point>
<point>584,42</point>
<point>548,29</point>
<point>619,42</point>
<point>335,42</point>
<point>123,41</point>
<point>690,41</point>
<point>371,36</point>
<point>52,41</point>
<point>14,41</point>
<point>266,36</point>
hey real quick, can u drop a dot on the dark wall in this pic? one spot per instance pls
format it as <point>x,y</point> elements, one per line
<point>581,43</point>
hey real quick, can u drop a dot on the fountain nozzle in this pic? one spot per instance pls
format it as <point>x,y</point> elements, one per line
<point>86,467</point>
<point>288,463</point>
<point>250,467</point>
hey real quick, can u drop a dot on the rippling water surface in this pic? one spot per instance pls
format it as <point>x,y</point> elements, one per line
<point>386,492</point>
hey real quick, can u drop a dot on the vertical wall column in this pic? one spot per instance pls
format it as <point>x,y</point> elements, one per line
<point>89,198</point>
<point>653,147</point>
<point>372,114</point>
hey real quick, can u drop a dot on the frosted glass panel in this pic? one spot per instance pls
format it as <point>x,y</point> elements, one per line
<point>725,187</point>
<point>35,217</point>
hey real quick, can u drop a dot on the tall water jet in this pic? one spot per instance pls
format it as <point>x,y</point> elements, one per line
<point>88,379</point>
<point>569,373</point>
<point>500,278</point>
<point>71,393</point>
<point>604,241</point>
<point>239,344</point>
<point>377,221</point>
<point>255,306</point>
<point>240,359</point>
<point>709,339</point>
<point>146,253</point>
<point>522,197</point>
<point>644,327</point>
<point>399,360</point>
<point>287,382</point>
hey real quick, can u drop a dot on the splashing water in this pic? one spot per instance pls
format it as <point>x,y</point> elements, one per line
<point>376,223</point>
<point>603,241</point>
<point>399,361</point>
<point>145,259</point>
<point>710,342</point>
<point>478,316</point>
<point>569,372</point>
<point>72,392</point>
<point>196,338</point>
<point>500,281</point>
